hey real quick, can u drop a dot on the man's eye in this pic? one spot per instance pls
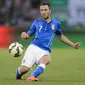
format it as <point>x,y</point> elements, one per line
<point>41,10</point>
<point>45,9</point>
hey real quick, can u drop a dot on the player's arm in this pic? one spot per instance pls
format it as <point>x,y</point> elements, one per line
<point>31,31</point>
<point>67,41</point>
<point>64,39</point>
<point>25,35</point>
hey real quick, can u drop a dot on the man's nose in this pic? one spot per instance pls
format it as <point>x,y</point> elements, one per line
<point>43,12</point>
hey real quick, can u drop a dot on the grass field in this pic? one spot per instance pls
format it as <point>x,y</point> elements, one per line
<point>66,68</point>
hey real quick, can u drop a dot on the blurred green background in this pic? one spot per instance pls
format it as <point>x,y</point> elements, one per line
<point>67,66</point>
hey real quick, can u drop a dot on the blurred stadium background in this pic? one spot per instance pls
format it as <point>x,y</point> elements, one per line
<point>17,15</point>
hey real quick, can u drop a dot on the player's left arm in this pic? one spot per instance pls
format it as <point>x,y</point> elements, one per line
<point>67,41</point>
<point>64,39</point>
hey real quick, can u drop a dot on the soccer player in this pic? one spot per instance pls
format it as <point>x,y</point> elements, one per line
<point>38,52</point>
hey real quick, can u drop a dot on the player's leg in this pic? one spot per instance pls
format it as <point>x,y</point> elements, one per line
<point>21,70</point>
<point>43,62</point>
<point>27,63</point>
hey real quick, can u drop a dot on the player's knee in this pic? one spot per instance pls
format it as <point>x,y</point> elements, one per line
<point>45,60</point>
<point>48,62</point>
<point>24,69</point>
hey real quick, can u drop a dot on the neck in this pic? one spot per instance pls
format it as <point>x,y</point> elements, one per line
<point>48,19</point>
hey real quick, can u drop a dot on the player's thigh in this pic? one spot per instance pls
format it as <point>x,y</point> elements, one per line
<point>29,57</point>
<point>45,59</point>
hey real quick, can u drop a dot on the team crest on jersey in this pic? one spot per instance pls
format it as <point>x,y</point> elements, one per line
<point>53,27</point>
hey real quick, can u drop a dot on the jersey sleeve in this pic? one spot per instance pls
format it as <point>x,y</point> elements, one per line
<point>58,30</point>
<point>32,29</point>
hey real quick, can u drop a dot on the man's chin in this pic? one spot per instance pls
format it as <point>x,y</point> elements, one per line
<point>45,18</point>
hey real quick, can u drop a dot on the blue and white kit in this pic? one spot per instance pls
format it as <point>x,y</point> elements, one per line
<point>41,44</point>
<point>45,32</point>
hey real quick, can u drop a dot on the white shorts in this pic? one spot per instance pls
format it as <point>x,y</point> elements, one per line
<point>32,55</point>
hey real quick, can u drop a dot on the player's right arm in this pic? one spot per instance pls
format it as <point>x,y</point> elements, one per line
<point>30,32</point>
<point>25,35</point>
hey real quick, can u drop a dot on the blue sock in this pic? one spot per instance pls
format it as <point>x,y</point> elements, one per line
<point>18,75</point>
<point>38,70</point>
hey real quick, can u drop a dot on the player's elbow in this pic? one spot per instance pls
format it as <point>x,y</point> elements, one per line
<point>61,37</point>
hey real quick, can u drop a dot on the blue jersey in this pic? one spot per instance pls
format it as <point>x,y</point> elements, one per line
<point>44,33</point>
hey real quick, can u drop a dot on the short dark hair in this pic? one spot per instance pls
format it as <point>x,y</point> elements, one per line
<point>45,3</point>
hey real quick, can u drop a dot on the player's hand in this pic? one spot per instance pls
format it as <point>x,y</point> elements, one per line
<point>24,35</point>
<point>77,45</point>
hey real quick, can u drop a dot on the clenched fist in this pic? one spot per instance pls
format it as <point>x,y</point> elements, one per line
<point>24,35</point>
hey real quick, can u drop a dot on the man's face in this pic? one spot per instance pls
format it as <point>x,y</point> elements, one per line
<point>45,11</point>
